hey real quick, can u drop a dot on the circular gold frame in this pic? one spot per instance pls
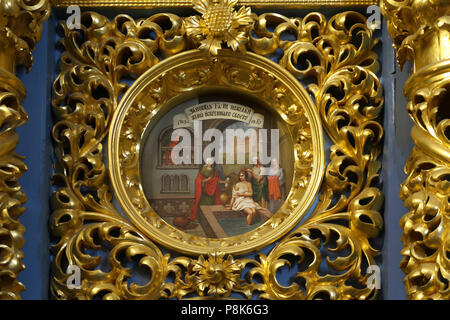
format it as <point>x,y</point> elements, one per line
<point>146,101</point>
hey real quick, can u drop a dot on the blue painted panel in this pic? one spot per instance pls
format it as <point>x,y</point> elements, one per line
<point>397,147</point>
<point>35,146</point>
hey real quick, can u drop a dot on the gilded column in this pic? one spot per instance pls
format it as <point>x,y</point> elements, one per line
<point>420,30</point>
<point>20,29</point>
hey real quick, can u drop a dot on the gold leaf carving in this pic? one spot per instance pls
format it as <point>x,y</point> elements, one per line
<point>20,29</point>
<point>333,57</point>
<point>420,31</point>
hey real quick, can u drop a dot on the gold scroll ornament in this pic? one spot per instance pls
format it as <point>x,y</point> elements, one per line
<point>420,30</point>
<point>336,59</point>
<point>138,4</point>
<point>20,29</point>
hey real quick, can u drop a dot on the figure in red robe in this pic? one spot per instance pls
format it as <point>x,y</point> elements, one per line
<point>276,183</point>
<point>207,188</point>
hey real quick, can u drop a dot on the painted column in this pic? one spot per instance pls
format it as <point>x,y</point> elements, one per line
<point>20,29</point>
<point>420,30</point>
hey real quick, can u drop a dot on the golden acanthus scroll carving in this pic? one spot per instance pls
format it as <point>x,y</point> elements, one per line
<point>20,29</point>
<point>420,32</point>
<point>334,57</point>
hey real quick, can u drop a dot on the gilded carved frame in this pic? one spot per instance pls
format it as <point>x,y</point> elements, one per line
<point>340,65</point>
<point>416,27</point>
<point>188,72</point>
<point>138,4</point>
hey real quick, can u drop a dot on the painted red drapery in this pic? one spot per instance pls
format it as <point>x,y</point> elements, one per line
<point>274,188</point>
<point>211,187</point>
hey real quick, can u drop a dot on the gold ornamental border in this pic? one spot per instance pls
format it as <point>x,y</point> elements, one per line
<point>133,116</point>
<point>140,4</point>
<point>20,30</point>
<point>420,31</point>
<point>333,58</point>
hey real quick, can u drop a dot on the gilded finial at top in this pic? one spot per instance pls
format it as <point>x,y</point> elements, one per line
<point>219,23</point>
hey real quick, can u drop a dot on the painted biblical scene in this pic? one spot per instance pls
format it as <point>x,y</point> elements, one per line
<point>217,168</point>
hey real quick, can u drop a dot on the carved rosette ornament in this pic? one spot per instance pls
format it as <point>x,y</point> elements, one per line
<point>420,30</point>
<point>219,23</point>
<point>20,29</point>
<point>334,57</point>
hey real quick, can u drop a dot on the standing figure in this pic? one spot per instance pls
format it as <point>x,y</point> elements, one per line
<point>259,183</point>
<point>207,187</point>
<point>276,186</point>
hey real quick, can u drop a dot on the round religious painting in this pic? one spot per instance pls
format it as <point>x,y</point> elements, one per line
<point>216,152</point>
<point>218,164</point>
